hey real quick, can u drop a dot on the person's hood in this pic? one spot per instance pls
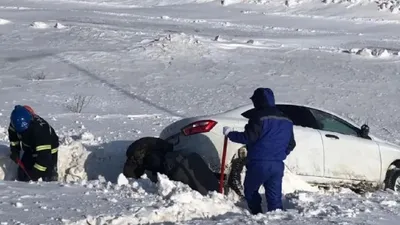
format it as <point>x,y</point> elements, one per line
<point>262,98</point>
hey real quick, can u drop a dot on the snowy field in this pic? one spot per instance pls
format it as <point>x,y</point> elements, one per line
<point>140,65</point>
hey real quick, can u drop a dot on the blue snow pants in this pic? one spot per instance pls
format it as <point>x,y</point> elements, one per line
<point>270,175</point>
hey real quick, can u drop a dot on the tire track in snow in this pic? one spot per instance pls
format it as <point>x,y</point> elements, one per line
<point>116,87</point>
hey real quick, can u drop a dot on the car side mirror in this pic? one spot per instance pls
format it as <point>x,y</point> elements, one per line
<point>364,131</point>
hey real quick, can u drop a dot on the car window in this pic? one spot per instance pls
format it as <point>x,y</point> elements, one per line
<point>329,122</point>
<point>300,116</point>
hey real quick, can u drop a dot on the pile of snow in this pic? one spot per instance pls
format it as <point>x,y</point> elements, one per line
<point>39,25</point>
<point>87,158</point>
<point>8,169</point>
<point>172,39</point>
<point>71,162</point>
<point>144,202</point>
<point>43,25</point>
<point>288,3</point>
<point>392,6</point>
<point>389,5</point>
<point>173,44</point>
<point>174,202</point>
<point>59,26</point>
<point>292,183</point>
<point>342,1</point>
<point>3,21</point>
<point>373,52</point>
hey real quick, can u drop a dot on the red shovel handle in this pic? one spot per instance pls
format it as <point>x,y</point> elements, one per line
<point>20,164</point>
<point>222,176</point>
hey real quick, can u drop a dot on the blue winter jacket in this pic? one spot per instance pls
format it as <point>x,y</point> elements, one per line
<point>268,135</point>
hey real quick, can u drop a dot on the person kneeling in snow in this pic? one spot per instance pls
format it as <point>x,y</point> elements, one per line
<point>269,139</point>
<point>39,143</point>
<point>157,156</point>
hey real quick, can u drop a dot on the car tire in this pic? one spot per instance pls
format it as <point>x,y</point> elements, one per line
<point>393,180</point>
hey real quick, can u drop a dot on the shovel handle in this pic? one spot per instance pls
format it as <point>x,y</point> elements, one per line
<point>20,164</point>
<point>222,175</point>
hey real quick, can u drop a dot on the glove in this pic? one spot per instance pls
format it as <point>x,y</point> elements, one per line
<point>226,130</point>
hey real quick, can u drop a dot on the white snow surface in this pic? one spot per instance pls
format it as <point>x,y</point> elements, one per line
<point>140,65</point>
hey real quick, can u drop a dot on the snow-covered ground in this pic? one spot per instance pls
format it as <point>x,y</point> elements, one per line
<point>141,64</point>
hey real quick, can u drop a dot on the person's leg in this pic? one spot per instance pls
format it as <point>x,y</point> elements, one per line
<point>273,186</point>
<point>54,172</point>
<point>252,182</point>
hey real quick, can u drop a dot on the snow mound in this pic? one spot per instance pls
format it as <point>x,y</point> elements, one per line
<point>87,158</point>
<point>341,1</point>
<point>288,3</point>
<point>173,38</point>
<point>175,202</point>
<point>173,45</point>
<point>8,169</point>
<point>292,183</point>
<point>373,52</point>
<point>39,25</point>
<point>3,21</point>
<point>59,26</point>
<point>71,161</point>
<point>392,6</point>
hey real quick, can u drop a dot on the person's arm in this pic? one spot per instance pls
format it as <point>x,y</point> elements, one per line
<point>292,144</point>
<point>251,133</point>
<point>15,145</point>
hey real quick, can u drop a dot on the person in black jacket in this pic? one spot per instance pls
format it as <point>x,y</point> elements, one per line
<point>157,156</point>
<point>39,142</point>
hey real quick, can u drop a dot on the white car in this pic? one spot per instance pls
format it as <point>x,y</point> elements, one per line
<point>329,149</point>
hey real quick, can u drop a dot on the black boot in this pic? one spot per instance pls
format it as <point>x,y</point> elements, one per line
<point>255,209</point>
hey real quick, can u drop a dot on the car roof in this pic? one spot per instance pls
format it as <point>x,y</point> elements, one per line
<point>239,110</point>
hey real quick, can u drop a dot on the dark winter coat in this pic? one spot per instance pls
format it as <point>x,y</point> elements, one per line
<point>269,139</point>
<point>268,135</point>
<point>40,142</point>
<point>157,156</point>
<point>145,152</point>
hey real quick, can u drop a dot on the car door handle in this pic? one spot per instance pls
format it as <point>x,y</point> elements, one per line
<point>331,136</point>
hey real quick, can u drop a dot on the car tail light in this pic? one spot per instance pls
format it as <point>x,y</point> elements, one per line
<point>197,127</point>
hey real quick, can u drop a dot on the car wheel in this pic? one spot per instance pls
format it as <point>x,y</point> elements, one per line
<point>393,181</point>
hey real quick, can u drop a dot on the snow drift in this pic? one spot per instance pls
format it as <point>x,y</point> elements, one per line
<point>173,202</point>
<point>176,203</point>
<point>83,158</point>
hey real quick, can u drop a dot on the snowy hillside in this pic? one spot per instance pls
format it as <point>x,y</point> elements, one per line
<point>140,65</point>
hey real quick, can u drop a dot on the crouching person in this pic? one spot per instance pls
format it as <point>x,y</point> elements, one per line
<point>157,156</point>
<point>39,142</point>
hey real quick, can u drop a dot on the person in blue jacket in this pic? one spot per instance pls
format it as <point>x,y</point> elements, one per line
<point>269,139</point>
